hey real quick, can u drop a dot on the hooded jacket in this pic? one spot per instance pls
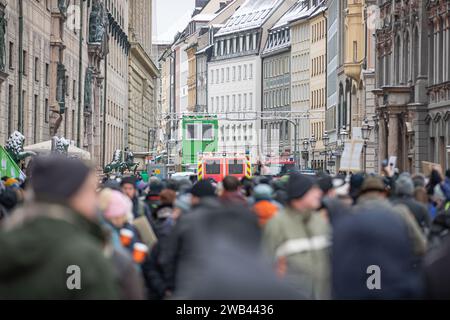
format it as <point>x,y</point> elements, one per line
<point>303,240</point>
<point>40,243</point>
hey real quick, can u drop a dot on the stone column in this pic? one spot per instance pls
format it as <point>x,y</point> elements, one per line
<point>393,135</point>
<point>382,140</point>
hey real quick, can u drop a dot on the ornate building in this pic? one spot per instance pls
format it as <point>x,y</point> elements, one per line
<point>402,83</point>
<point>48,60</point>
<point>117,91</point>
<point>143,85</point>
<point>438,116</point>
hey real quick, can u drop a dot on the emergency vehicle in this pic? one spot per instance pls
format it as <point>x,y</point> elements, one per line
<point>219,165</point>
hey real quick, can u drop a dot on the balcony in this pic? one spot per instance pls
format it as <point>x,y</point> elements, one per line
<point>354,40</point>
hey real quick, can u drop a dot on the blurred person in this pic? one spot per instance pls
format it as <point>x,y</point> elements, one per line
<point>403,194</point>
<point>419,181</point>
<point>373,238</point>
<point>373,195</point>
<point>157,285</point>
<point>117,212</point>
<point>264,208</point>
<point>232,191</point>
<point>152,199</point>
<point>298,239</point>
<point>229,263</point>
<point>167,197</point>
<point>140,208</point>
<point>182,205</point>
<point>420,195</point>
<point>437,277</point>
<point>356,182</point>
<point>180,245</point>
<point>57,230</point>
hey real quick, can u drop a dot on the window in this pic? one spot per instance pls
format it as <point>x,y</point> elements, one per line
<point>221,75</point>
<point>239,73</point>
<point>234,73</point>
<point>67,86</point>
<point>228,74</point>
<point>217,76</point>
<point>36,69</point>
<point>74,91</point>
<point>212,104</point>
<point>250,102</point>
<point>10,109</point>
<point>212,166</point>
<point>24,62</point>
<point>245,101</point>
<point>235,166</point>
<point>35,118</point>
<point>212,76</point>
<point>11,55</point>
<point>46,111</point>
<point>191,131</point>
<point>47,74</point>
<point>208,132</point>
<point>245,72</point>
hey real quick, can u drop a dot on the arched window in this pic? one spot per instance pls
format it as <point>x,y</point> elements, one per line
<point>415,52</point>
<point>397,59</point>
<point>406,61</point>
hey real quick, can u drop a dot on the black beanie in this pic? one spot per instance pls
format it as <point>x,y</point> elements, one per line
<point>298,185</point>
<point>128,180</point>
<point>57,178</point>
<point>203,189</point>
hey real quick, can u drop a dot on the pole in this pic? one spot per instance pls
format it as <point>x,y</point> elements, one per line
<point>80,72</point>
<point>296,144</point>
<point>365,155</point>
<point>20,100</point>
<point>105,110</point>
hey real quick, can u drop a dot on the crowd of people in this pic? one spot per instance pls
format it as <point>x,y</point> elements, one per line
<point>360,236</point>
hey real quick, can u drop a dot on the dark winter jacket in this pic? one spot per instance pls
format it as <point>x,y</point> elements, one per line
<point>40,242</point>
<point>419,210</point>
<point>154,274</point>
<point>181,242</point>
<point>437,276</point>
<point>368,244</point>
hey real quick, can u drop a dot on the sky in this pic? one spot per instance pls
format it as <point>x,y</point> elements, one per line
<point>170,17</point>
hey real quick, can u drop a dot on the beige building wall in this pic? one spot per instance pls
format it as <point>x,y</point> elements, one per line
<point>142,114</point>
<point>300,74</point>
<point>318,38</point>
<point>39,79</point>
<point>117,79</point>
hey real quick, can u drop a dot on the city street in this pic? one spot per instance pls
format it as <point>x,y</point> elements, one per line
<point>216,150</point>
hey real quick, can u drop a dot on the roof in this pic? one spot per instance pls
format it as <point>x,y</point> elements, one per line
<point>203,17</point>
<point>302,14</point>
<point>297,10</point>
<point>252,14</point>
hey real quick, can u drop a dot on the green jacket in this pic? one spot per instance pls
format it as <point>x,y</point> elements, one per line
<point>39,244</point>
<point>303,239</point>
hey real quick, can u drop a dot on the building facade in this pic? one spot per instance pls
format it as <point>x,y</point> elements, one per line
<point>143,81</point>
<point>52,77</point>
<point>317,87</point>
<point>117,124</point>
<point>234,84</point>
<point>438,116</point>
<point>402,81</point>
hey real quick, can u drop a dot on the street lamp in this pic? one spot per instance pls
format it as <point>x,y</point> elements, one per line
<point>312,143</point>
<point>305,151</point>
<point>366,129</point>
<point>326,143</point>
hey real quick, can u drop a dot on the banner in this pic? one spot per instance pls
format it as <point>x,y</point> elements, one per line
<point>8,167</point>
<point>351,157</point>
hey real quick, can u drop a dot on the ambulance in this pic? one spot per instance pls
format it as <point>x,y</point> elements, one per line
<point>217,166</point>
